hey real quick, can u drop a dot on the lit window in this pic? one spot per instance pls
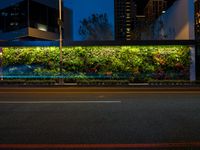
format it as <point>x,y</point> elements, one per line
<point>42,27</point>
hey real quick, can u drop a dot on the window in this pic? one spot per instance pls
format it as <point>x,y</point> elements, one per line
<point>43,16</point>
<point>13,17</point>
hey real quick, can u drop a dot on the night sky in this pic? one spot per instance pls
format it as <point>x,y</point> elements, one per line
<point>84,8</point>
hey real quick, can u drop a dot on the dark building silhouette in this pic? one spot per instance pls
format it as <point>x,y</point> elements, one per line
<point>154,9</point>
<point>125,20</point>
<point>68,24</point>
<point>141,27</point>
<point>197,36</point>
<point>29,20</point>
<point>197,20</point>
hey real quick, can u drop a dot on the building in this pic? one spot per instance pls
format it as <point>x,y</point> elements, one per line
<point>68,24</point>
<point>197,20</point>
<point>125,19</point>
<point>177,23</point>
<point>197,36</point>
<point>29,20</point>
<point>141,27</point>
<point>154,9</point>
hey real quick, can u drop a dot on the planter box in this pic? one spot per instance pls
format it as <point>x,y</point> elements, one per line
<point>103,82</point>
<point>171,83</point>
<point>27,82</point>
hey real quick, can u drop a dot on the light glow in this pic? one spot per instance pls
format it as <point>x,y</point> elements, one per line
<point>42,27</point>
<point>135,63</point>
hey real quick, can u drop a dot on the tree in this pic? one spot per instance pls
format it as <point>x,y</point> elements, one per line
<point>96,27</point>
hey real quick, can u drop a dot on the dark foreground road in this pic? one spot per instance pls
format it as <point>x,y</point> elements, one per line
<point>100,118</point>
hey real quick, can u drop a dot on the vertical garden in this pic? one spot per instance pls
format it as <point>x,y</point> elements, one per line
<point>135,63</point>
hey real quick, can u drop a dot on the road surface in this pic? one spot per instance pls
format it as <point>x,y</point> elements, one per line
<point>130,118</point>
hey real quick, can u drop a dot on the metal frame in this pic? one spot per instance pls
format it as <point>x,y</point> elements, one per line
<point>98,43</point>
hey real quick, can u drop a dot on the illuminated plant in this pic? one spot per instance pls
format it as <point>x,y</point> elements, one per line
<point>139,63</point>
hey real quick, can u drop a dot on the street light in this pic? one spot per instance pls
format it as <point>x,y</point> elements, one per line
<point>60,23</point>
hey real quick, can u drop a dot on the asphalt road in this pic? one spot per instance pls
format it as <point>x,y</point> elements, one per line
<point>104,116</point>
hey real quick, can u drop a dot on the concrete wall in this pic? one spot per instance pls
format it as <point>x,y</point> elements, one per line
<point>29,32</point>
<point>35,33</point>
<point>177,22</point>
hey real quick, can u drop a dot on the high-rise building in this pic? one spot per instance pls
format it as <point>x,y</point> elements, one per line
<point>141,27</point>
<point>197,36</point>
<point>125,20</point>
<point>154,9</point>
<point>29,19</point>
<point>197,20</point>
<point>68,24</point>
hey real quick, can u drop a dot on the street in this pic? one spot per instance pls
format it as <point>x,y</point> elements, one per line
<point>89,116</point>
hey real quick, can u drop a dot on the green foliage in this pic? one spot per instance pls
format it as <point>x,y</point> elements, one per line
<point>137,63</point>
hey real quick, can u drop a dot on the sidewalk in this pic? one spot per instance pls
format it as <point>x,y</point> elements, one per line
<point>67,89</point>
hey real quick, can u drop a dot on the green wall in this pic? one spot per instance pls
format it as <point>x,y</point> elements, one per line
<point>136,63</point>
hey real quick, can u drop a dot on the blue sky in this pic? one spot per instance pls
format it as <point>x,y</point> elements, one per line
<point>84,8</point>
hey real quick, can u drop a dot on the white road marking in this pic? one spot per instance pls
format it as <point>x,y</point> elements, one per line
<point>59,102</point>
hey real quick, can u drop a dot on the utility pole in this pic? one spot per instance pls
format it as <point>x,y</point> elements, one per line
<point>60,23</point>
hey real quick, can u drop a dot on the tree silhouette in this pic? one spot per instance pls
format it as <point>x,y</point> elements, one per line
<point>96,27</point>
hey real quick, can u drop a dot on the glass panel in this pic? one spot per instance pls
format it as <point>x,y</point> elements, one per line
<point>13,17</point>
<point>43,17</point>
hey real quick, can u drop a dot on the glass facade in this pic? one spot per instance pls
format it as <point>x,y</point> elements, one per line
<point>125,20</point>
<point>197,37</point>
<point>28,13</point>
<point>14,17</point>
<point>43,17</point>
<point>197,20</point>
